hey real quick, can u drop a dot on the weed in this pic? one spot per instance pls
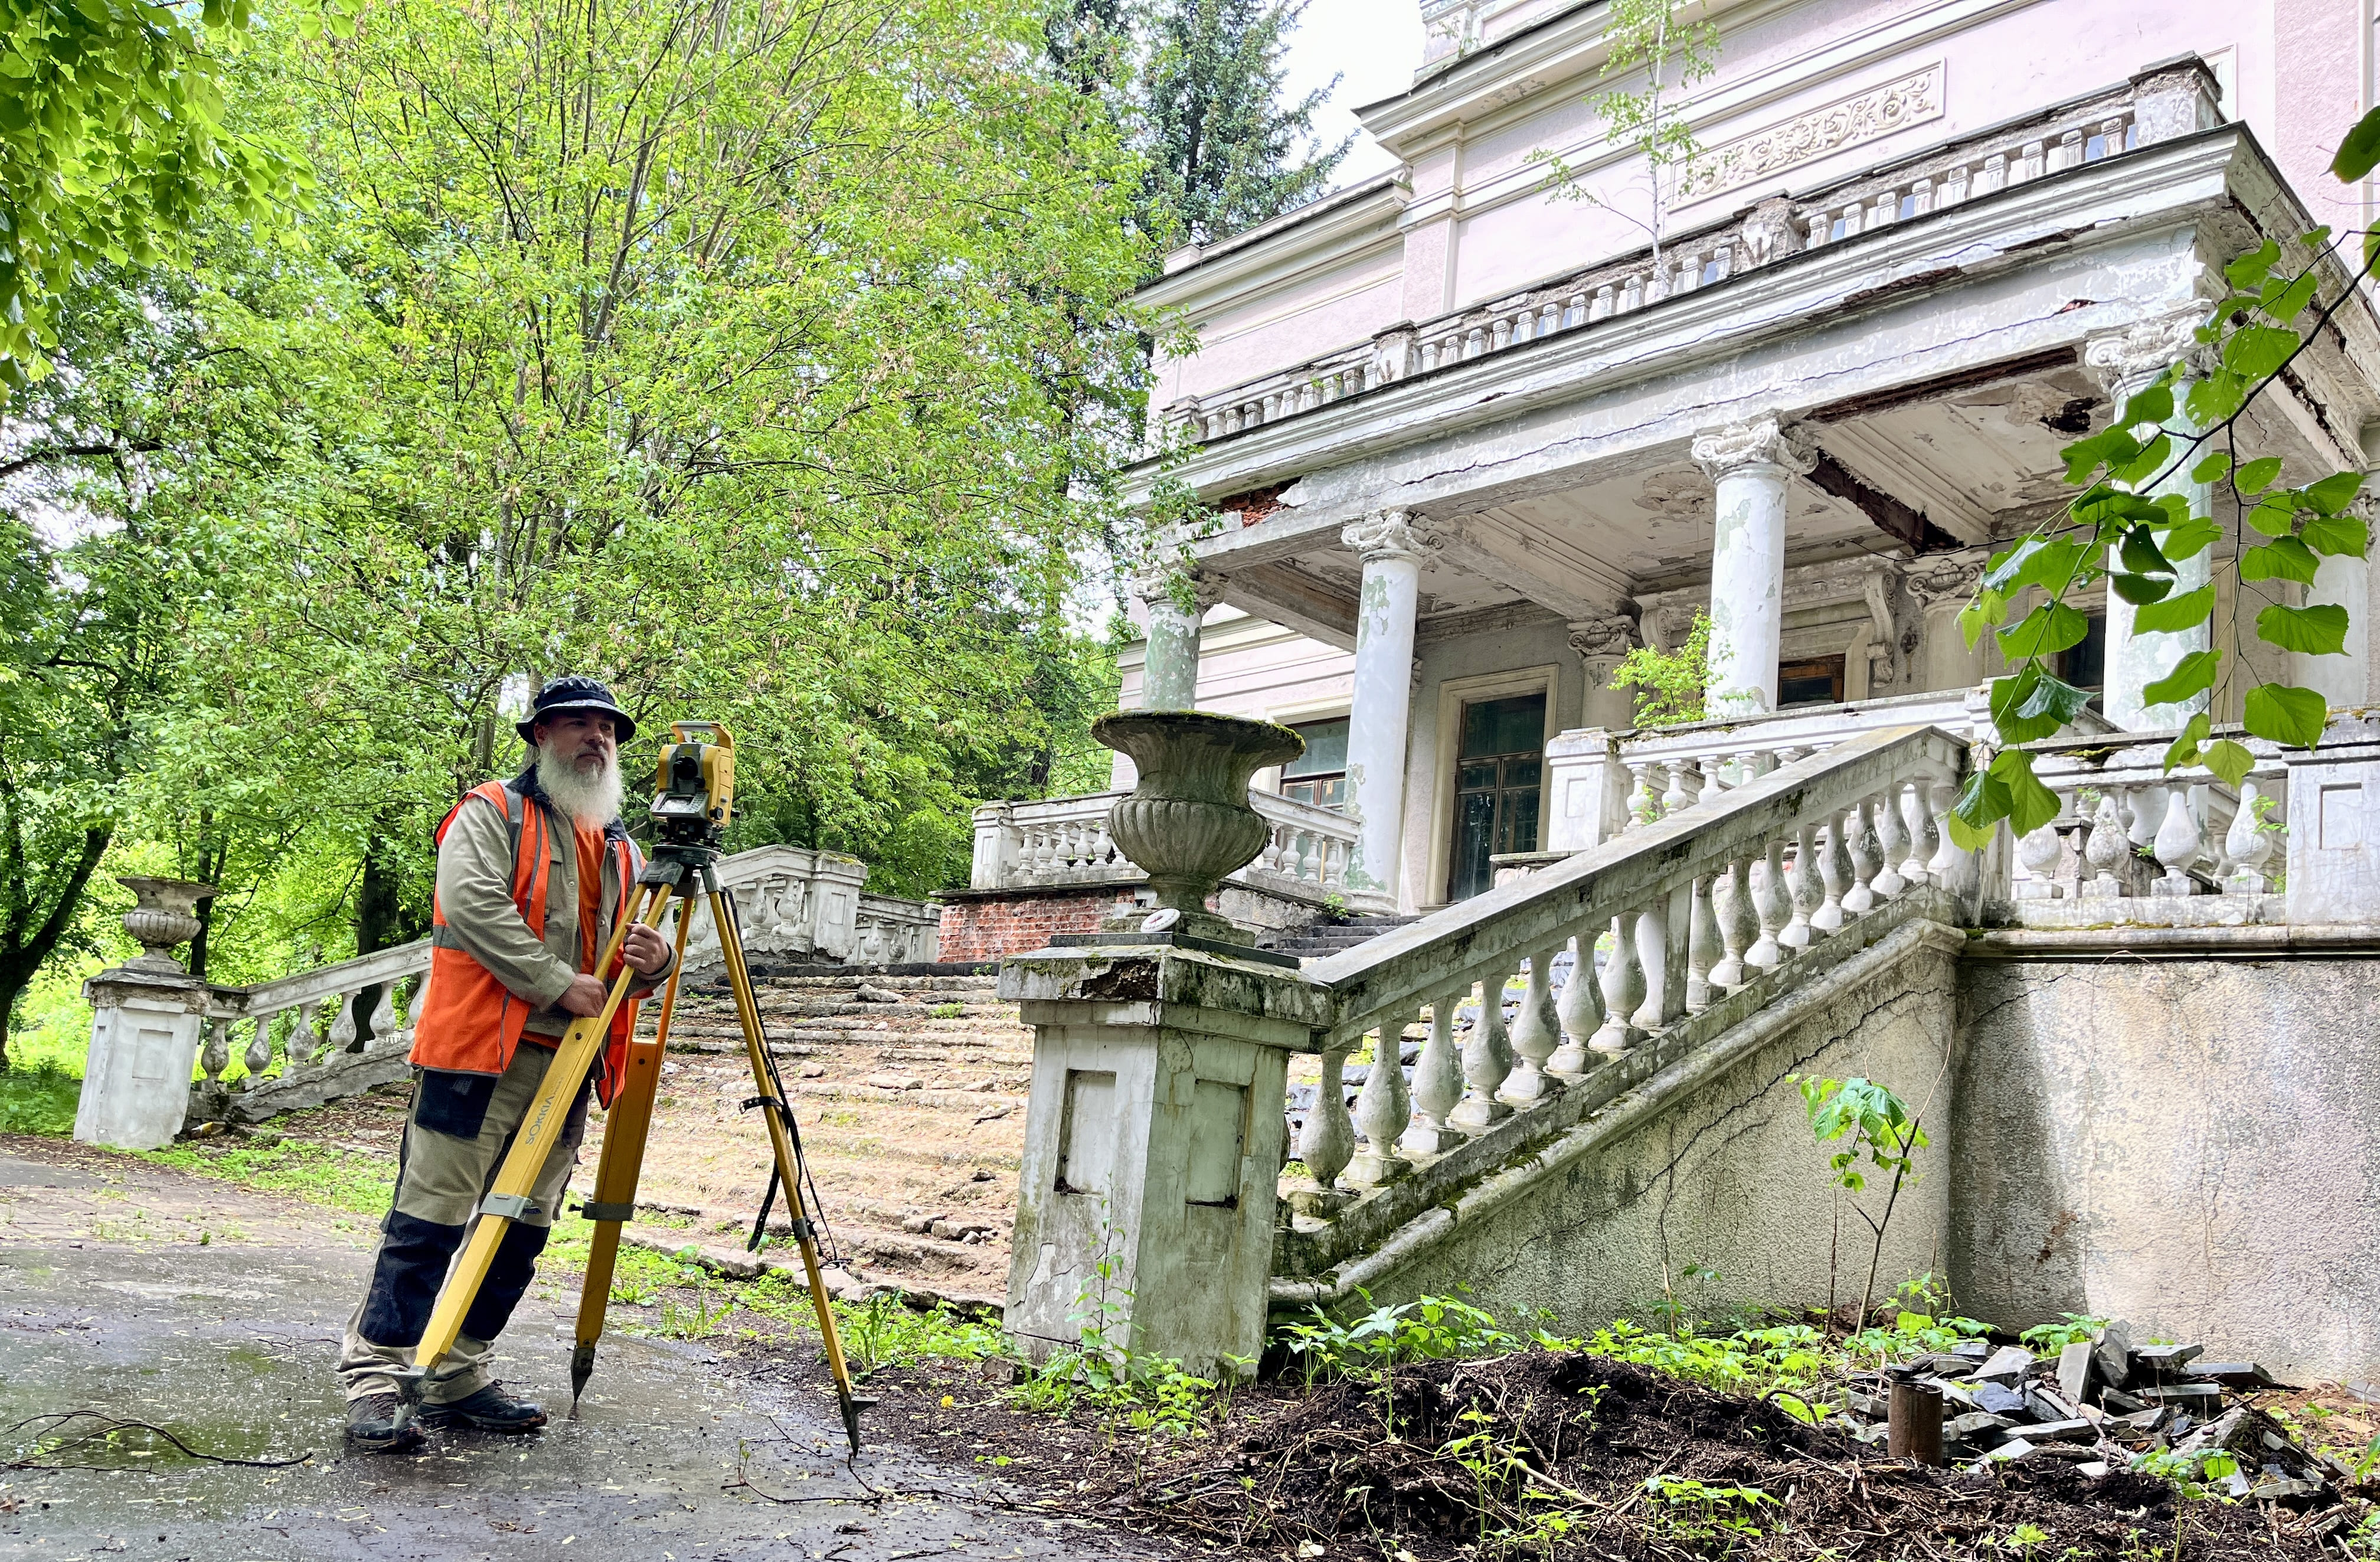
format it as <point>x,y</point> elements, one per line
<point>316,1173</point>
<point>2074,1328</point>
<point>39,1100</point>
<point>696,1322</point>
<point>946,1011</point>
<point>1429,1328</point>
<point>1688,1510</point>
<point>1877,1123</point>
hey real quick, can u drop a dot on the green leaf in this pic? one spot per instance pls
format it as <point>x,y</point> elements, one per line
<point>2140,554</point>
<point>1988,609</point>
<point>2048,562</point>
<point>2291,301</point>
<point>2229,761</point>
<point>2257,475</point>
<point>2315,237</point>
<point>2110,447</point>
<point>2334,492</point>
<point>2191,537</point>
<point>2248,270</point>
<point>2319,630</point>
<point>2195,674</point>
<point>2031,805</point>
<point>2153,405</point>
<point>2212,468</point>
<point>2140,589</point>
<point>2147,466</point>
<point>2257,352</point>
<point>2284,559</point>
<point>1983,801</point>
<point>2286,715</point>
<point>2185,611</point>
<point>2033,705</point>
<point>2185,749</point>
<point>2337,535</point>
<point>2048,629</point>
<point>2274,518</point>
<point>2359,150</point>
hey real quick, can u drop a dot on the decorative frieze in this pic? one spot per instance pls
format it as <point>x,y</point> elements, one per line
<point>2125,361</point>
<point>1389,535</point>
<point>1908,100</point>
<point>1768,440</point>
<point>1602,642</point>
<point>1944,579</point>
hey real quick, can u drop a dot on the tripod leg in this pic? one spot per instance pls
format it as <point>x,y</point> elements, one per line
<point>547,1112</point>
<point>614,1197</point>
<point>781,1142</point>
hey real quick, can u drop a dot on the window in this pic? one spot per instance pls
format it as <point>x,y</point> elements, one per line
<point>1497,777</point>
<point>1817,681</point>
<point>2085,664</point>
<point>1320,775</point>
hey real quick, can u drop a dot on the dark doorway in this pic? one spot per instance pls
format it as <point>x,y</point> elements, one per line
<point>1817,681</point>
<point>1497,777</point>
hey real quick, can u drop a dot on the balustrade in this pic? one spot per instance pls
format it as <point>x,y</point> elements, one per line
<point>1066,841</point>
<point>1738,869</point>
<point>2126,829</point>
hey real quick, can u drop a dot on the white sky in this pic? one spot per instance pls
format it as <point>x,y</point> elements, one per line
<point>1376,45</point>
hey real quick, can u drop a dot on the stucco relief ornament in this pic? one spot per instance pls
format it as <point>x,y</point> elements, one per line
<point>1602,642</point>
<point>1162,585</point>
<point>2124,360</point>
<point>1389,535</point>
<point>1943,578</point>
<point>1768,439</point>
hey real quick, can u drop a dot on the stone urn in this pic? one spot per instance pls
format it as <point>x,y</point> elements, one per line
<point>1188,822</point>
<point>164,916</point>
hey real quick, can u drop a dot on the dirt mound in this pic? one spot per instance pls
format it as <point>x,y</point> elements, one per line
<point>1564,1454</point>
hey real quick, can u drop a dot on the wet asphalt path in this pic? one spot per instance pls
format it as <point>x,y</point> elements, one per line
<point>230,1346</point>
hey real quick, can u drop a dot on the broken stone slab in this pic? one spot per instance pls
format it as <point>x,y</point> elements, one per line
<point>2118,1400</point>
<point>2075,1431</point>
<point>2045,1401</point>
<point>2230,1375</point>
<point>1999,1400</point>
<point>1982,1428</point>
<point>2155,1361</point>
<point>2015,1448</point>
<point>894,1082</point>
<point>2111,1357</point>
<point>1945,1364</point>
<point>2199,1397</point>
<point>1865,1405</point>
<point>2007,1364</point>
<point>2075,1365</point>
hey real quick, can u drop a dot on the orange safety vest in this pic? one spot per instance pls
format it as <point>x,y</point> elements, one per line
<point>468,1022</point>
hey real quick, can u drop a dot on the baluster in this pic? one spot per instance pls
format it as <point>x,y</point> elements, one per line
<point>1474,342</point>
<point>2107,851</point>
<point>1499,336</point>
<point>1925,839</point>
<point>1892,845</point>
<point>215,1055</point>
<point>1437,1083</point>
<point>1574,312</point>
<point>1643,805</point>
<point>2030,168</point>
<point>1676,796</point>
<point>1995,173</point>
<point>2039,852</point>
<point>1921,196</point>
<point>1310,866</point>
<point>258,1055</point>
<point>1954,867</point>
<point>1623,990</point>
<point>1954,187</point>
<point>2177,842</point>
<point>1631,297</point>
<point>1601,308</point>
<point>2070,150</point>
<point>1550,319</point>
<point>1486,1062</point>
<point>343,1024</point>
<point>2248,846</point>
<point>1772,904</point>
<point>1536,1033</point>
<point>1835,873</point>
<point>298,1048</point>
<point>1806,896</point>
<point>1268,860</point>
<point>1653,962</point>
<point>1701,947</point>
<point>1327,1142</point>
<point>1579,1010</point>
<point>1383,1112</point>
<point>1731,901</point>
<point>1866,858</point>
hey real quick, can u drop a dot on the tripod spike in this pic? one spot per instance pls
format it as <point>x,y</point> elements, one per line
<point>582,1367</point>
<point>852,1405</point>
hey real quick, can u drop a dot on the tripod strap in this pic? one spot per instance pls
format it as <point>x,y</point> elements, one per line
<point>593,1211</point>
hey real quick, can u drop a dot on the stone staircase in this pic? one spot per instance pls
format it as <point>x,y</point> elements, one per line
<point>1324,939</point>
<point>909,1092</point>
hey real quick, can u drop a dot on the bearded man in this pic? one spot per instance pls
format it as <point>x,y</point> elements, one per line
<point>532,876</point>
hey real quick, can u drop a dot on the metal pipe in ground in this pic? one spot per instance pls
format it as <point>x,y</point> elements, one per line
<point>1913,1423</point>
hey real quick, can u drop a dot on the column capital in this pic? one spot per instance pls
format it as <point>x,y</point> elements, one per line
<point>2122,361</point>
<point>1163,585</point>
<point>1390,534</point>
<point>1768,439</point>
<point>1601,642</point>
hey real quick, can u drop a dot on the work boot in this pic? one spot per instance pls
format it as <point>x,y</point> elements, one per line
<point>489,1410</point>
<point>373,1429</point>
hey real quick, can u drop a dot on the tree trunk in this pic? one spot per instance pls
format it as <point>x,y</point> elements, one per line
<point>19,964</point>
<point>381,921</point>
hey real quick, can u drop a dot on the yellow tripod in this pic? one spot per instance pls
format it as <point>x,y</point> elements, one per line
<point>692,809</point>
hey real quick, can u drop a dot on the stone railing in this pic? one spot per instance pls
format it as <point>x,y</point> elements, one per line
<point>340,1029</point>
<point>1693,906</point>
<point>2133,844</point>
<point>2157,107</point>
<point>1063,841</point>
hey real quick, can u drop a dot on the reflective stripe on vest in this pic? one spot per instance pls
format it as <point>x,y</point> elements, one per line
<point>469,1022</point>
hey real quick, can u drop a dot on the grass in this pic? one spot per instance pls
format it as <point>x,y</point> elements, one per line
<point>41,1099</point>
<point>317,1173</point>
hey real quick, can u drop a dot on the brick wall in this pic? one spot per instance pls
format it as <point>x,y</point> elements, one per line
<point>988,927</point>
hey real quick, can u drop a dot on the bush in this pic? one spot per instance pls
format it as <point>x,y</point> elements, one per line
<point>39,1100</point>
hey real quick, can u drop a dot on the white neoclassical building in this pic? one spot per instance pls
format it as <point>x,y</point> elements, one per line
<point>1462,439</point>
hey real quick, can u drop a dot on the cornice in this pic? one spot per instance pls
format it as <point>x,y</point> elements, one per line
<point>1291,246</point>
<point>2100,202</point>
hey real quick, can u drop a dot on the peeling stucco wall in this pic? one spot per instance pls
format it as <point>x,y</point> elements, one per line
<point>1728,1178</point>
<point>2192,1145</point>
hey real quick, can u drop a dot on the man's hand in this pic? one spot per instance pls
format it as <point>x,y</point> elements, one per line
<point>645,950</point>
<point>584,996</point>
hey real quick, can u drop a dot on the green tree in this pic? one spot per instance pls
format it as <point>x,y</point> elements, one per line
<point>1656,37</point>
<point>1225,152</point>
<point>113,151</point>
<point>2128,526</point>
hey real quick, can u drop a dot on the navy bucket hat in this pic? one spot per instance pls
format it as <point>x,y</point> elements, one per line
<point>575,691</point>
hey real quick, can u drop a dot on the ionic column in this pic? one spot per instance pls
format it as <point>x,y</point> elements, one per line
<point>1392,549</point>
<point>1602,642</point>
<point>1752,463</point>
<point>1176,601</point>
<point>2125,364</point>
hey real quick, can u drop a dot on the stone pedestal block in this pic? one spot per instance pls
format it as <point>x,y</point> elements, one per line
<point>2334,840</point>
<point>1153,1147</point>
<point>144,1049</point>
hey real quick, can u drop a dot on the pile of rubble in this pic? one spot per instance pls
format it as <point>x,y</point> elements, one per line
<point>2103,1401</point>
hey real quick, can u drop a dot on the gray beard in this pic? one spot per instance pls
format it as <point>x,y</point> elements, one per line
<point>590,799</point>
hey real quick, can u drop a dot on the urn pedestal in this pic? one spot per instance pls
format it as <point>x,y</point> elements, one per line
<point>147,1018</point>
